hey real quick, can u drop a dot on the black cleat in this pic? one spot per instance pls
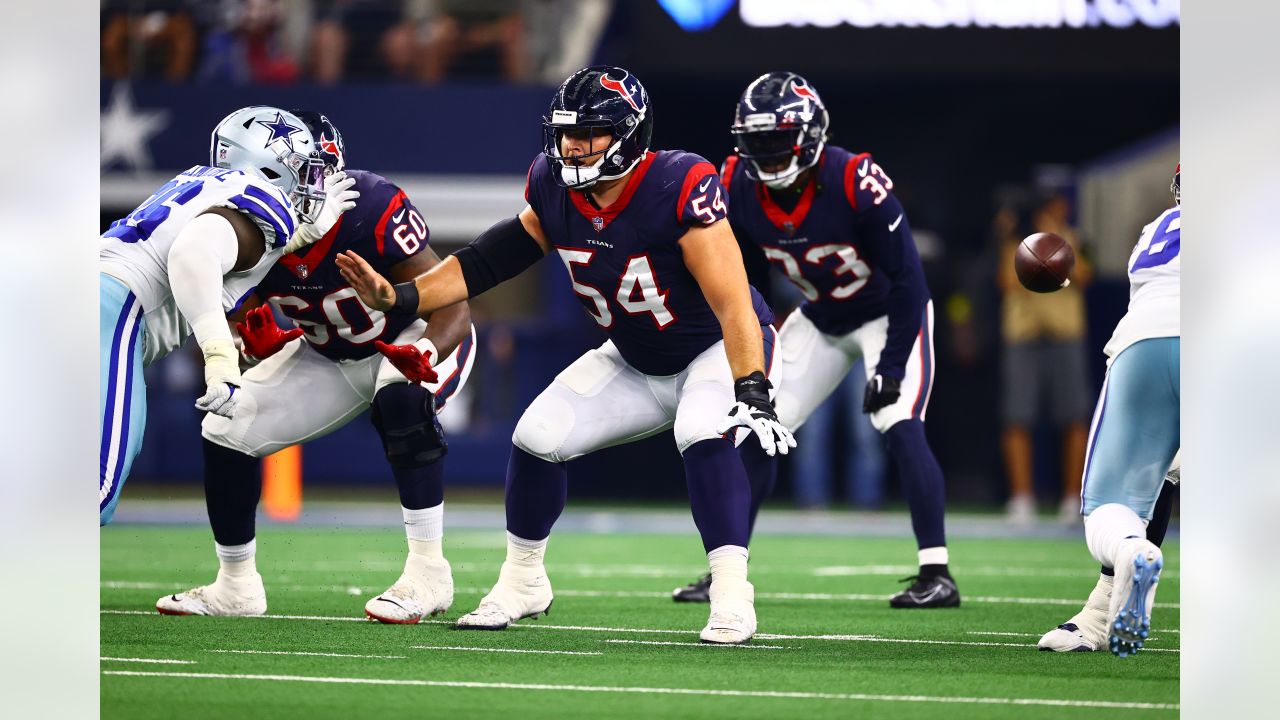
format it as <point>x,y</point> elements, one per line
<point>697,591</point>
<point>936,591</point>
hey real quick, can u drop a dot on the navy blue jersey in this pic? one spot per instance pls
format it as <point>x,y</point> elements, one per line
<point>625,261</point>
<point>385,229</point>
<point>846,244</point>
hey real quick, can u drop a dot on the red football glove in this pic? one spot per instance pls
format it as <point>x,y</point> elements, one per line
<point>409,361</point>
<point>261,336</point>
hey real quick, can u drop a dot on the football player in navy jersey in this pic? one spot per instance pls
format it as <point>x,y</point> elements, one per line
<point>829,220</point>
<point>644,238</point>
<point>342,359</point>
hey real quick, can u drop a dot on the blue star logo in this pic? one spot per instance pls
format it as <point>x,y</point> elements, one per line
<point>280,130</point>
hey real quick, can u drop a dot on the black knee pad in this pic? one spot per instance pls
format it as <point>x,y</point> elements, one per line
<point>404,415</point>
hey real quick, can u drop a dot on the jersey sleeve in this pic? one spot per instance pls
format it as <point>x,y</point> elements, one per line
<point>269,209</point>
<point>400,232</point>
<point>865,183</point>
<point>534,182</point>
<point>701,201</point>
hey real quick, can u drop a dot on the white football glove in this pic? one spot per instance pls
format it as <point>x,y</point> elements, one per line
<point>221,378</point>
<point>338,198</point>
<point>754,410</point>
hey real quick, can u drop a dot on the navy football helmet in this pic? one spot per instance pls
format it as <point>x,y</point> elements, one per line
<point>329,145</point>
<point>1176,187</point>
<point>779,128</point>
<point>595,101</point>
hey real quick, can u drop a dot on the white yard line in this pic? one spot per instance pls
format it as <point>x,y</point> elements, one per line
<point>861,597</point>
<point>153,661</point>
<point>791,695</point>
<point>619,641</point>
<point>504,650</point>
<point>311,654</point>
<point>652,631</point>
<point>1036,635</point>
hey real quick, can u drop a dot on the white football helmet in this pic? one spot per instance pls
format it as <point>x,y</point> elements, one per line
<point>276,146</point>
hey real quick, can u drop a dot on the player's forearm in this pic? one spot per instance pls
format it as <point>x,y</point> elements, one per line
<point>440,287</point>
<point>907,299</point>
<point>203,252</point>
<point>447,327</point>
<point>743,341</point>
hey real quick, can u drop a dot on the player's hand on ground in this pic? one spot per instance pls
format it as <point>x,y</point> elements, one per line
<point>339,197</point>
<point>260,334</point>
<point>881,392</point>
<point>410,361</point>
<point>754,410</point>
<point>374,290</point>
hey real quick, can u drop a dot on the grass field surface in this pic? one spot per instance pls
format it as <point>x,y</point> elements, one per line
<point>614,644</point>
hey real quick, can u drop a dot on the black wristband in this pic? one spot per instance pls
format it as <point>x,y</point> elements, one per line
<point>753,390</point>
<point>406,299</point>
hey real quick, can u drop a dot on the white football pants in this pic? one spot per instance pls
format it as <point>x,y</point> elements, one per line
<point>298,395</point>
<point>814,363</point>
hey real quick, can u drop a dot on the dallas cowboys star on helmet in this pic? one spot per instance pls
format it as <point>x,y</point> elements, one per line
<point>275,145</point>
<point>779,128</point>
<point>329,145</point>
<point>601,99</point>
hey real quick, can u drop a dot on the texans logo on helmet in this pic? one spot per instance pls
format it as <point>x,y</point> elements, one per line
<point>621,88</point>
<point>803,91</point>
<point>330,146</point>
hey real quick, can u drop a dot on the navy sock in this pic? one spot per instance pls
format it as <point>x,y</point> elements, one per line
<point>536,494</point>
<point>762,473</point>
<point>232,487</point>
<point>922,481</point>
<point>1160,515</point>
<point>719,493</point>
<point>420,487</point>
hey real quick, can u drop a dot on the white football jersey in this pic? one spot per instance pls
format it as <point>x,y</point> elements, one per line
<point>1155,281</point>
<point>135,249</point>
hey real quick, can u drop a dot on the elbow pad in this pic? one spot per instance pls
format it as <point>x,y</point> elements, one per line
<point>499,254</point>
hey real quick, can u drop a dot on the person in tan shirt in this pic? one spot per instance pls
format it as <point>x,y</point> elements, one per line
<point>1043,373</point>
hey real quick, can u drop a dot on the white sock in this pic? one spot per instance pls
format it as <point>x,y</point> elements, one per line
<point>933,555</point>
<point>237,560</point>
<point>425,530</point>
<point>728,562</point>
<point>525,553</point>
<point>1109,526</point>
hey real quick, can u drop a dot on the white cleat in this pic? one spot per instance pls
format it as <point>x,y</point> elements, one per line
<point>733,613</point>
<point>238,596</point>
<point>519,593</point>
<point>1086,631</point>
<point>1138,566</point>
<point>424,590</point>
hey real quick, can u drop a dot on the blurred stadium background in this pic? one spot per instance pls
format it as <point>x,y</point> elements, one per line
<point>994,119</point>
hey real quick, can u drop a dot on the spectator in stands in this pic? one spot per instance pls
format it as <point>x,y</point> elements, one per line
<point>148,37</point>
<point>1044,374</point>
<point>246,42</point>
<point>425,40</point>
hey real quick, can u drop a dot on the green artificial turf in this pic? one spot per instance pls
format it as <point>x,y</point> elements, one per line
<point>614,588</point>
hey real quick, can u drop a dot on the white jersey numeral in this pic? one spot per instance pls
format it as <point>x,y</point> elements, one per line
<point>792,269</point>
<point>850,264</point>
<point>410,235</point>
<point>331,305</point>
<point>602,315</point>
<point>638,276</point>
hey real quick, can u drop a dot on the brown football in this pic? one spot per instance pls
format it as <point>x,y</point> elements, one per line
<point>1044,262</point>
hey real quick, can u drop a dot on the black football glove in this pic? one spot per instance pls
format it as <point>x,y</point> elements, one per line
<point>881,392</point>
<point>754,410</point>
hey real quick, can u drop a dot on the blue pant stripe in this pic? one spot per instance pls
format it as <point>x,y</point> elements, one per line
<point>112,372</point>
<point>451,385</point>
<point>123,440</point>
<point>926,365</point>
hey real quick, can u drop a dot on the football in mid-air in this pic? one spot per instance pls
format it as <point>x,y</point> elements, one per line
<point>1044,262</point>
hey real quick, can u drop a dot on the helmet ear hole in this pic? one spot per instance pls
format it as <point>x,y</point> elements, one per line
<point>269,173</point>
